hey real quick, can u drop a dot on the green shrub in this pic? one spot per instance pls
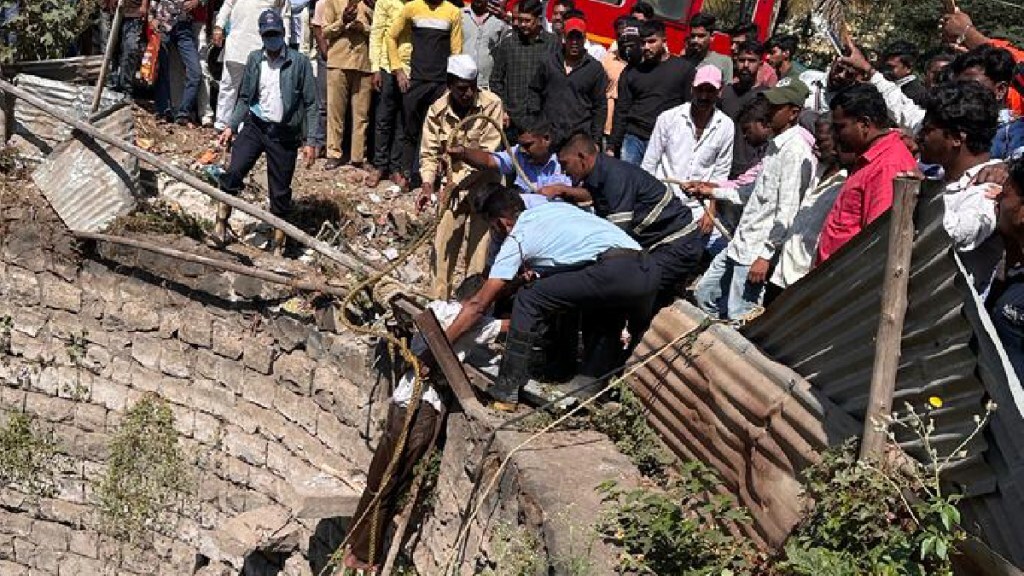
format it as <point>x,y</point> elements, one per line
<point>147,479</point>
<point>28,456</point>
<point>44,29</point>
<point>674,530</point>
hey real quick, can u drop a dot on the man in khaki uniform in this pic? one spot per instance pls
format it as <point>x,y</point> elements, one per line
<point>346,26</point>
<point>458,225</point>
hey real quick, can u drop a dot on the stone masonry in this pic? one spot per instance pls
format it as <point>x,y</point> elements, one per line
<point>262,400</point>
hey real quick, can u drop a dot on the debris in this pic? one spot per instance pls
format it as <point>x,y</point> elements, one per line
<point>269,529</point>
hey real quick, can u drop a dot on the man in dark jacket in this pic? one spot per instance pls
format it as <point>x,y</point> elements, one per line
<point>661,81</point>
<point>568,90</point>
<point>277,110</point>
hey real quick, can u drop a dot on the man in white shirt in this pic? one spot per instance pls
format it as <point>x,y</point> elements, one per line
<point>734,284</point>
<point>694,141</point>
<point>801,245</point>
<point>275,114</point>
<point>960,120</point>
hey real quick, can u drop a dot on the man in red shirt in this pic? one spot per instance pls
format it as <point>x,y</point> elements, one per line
<point>860,123</point>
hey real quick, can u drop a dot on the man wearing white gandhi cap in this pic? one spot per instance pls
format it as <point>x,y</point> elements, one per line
<point>458,225</point>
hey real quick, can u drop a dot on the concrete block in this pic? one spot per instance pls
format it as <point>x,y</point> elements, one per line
<point>146,350</point>
<point>174,360</point>
<point>296,371</point>
<point>289,333</point>
<point>321,496</point>
<point>248,447</point>
<point>22,286</point>
<point>259,354</point>
<point>30,321</point>
<point>212,398</point>
<point>196,327</point>
<point>259,389</point>
<point>58,294</point>
<point>207,428</point>
<point>227,340</point>
<point>139,315</point>
<point>297,409</point>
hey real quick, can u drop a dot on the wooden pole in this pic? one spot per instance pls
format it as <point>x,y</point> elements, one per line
<point>890,323</point>
<point>87,129</point>
<point>216,263</point>
<point>108,55</point>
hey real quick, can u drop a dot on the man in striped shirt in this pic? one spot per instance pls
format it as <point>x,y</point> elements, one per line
<point>435,29</point>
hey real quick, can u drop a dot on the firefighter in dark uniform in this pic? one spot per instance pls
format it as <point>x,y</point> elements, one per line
<point>572,261</point>
<point>634,200</point>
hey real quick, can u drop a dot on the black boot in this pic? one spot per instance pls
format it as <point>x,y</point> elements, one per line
<point>515,370</point>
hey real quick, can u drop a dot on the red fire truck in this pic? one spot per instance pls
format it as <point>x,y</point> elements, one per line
<point>676,14</point>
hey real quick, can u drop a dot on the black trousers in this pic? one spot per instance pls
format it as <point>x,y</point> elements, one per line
<point>609,293</point>
<point>421,434</point>
<point>415,103</point>
<point>678,261</point>
<point>389,126</point>
<point>282,150</point>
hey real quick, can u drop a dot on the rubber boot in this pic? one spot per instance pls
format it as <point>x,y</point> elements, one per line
<point>515,370</point>
<point>221,235</point>
<point>278,242</point>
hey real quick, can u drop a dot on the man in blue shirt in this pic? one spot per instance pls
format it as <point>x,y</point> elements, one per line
<point>533,153</point>
<point>637,202</point>
<point>571,261</point>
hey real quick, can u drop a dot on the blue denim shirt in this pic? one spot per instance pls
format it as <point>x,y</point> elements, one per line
<point>1009,140</point>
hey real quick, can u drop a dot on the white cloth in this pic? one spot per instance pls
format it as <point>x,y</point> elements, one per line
<point>271,102</point>
<point>240,21</point>
<point>483,333</point>
<point>674,151</point>
<point>801,247</point>
<point>227,95</point>
<point>970,220</point>
<point>902,110</point>
<point>789,166</point>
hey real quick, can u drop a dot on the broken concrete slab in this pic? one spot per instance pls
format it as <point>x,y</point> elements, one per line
<point>322,496</point>
<point>269,530</point>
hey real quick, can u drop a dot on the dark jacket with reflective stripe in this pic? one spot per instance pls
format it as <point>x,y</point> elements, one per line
<point>634,200</point>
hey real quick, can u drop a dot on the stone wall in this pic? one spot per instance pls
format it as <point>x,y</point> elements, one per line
<point>262,399</point>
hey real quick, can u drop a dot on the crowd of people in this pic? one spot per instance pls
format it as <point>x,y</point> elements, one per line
<point>593,185</point>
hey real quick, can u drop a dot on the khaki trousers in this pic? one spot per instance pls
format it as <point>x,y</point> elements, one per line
<point>344,86</point>
<point>459,227</point>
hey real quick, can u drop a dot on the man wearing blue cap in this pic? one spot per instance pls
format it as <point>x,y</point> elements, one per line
<point>277,111</point>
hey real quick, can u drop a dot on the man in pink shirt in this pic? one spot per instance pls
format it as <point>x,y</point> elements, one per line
<point>860,123</point>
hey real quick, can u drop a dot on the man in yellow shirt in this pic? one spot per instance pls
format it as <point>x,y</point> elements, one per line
<point>388,124</point>
<point>434,28</point>
<point>458,225</point>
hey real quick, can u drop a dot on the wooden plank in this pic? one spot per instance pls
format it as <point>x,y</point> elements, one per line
<point>449,363</point>
<point>890,323</point>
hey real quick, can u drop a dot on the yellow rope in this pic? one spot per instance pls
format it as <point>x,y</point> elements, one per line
<point>417,389</point>
<point>467,524</point>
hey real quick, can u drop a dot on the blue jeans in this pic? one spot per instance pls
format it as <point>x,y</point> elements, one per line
<point>724,292</point>
<point>184,40</point>
<point>633,149</point>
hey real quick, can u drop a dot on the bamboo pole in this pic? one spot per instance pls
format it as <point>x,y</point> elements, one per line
<point>890,324</point>
<point>216,263</point>
<point>184,176</point>
<point>108,55</point>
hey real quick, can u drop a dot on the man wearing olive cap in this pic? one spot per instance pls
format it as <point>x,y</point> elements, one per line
<point>458,226</point>
<point>734,284</point>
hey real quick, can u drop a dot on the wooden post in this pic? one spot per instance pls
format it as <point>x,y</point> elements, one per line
<point>890,323</point>
<point>108,54</point>
<point>87,129</point>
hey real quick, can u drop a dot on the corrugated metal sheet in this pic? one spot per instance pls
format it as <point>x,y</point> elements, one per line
<point>43,131</point>
<point>722,401</point>
<point>88,183</point>
<point>80,69</point>
<point>824,328</point>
